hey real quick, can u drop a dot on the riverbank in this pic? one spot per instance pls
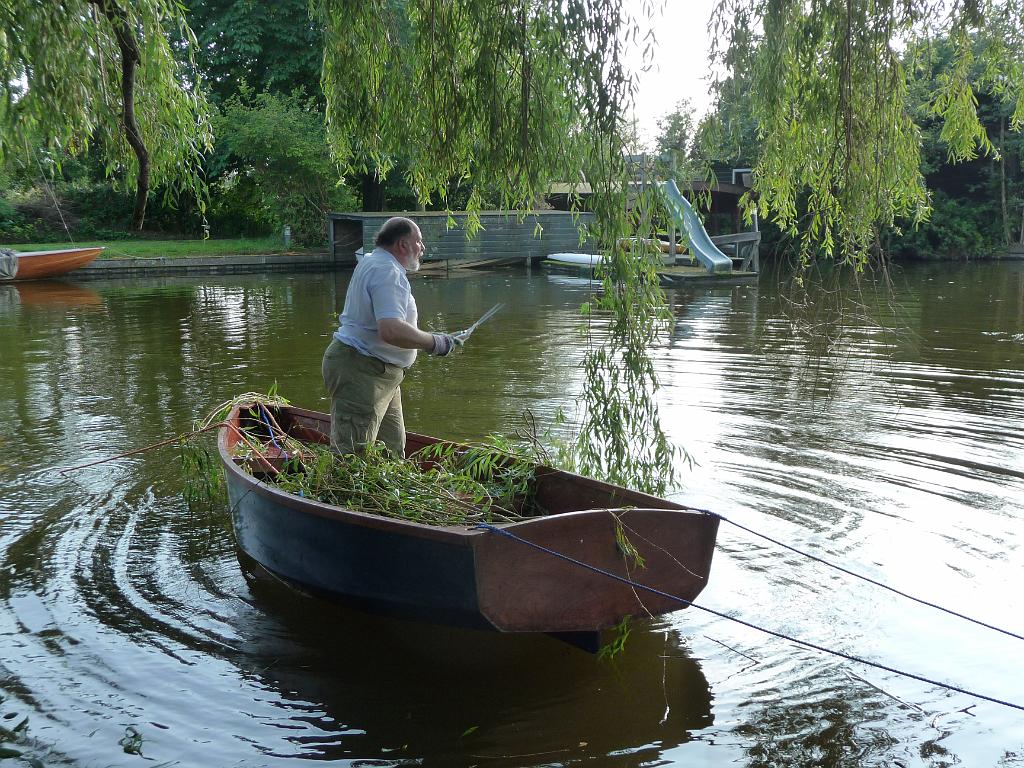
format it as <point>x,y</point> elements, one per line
<point>130,258</point>
<point>297,261</point>
<point>143,248</point>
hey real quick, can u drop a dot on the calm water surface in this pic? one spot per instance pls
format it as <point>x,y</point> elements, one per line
<point>127,623</point>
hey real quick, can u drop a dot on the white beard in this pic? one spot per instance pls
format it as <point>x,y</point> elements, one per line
<point>415,265</point>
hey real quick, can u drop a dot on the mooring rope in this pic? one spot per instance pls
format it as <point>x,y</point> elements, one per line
<point>868,579</point>
<point>780,635</point>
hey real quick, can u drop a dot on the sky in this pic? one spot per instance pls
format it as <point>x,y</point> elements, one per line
<point>680,62</point>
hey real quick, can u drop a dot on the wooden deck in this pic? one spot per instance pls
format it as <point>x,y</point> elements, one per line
<point>688,275</point>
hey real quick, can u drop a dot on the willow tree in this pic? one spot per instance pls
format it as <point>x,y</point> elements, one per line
<point>840,152</point>
<point>81,72</point>
<point>508,96</point>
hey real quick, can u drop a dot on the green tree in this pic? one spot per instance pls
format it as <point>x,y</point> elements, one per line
<point>274,47</point>
<point>840,155</point>
<point>103,71</point>
<point>283,169</point>
<point>728,134</point>
<point>675,130</point>
<point>973,198</point>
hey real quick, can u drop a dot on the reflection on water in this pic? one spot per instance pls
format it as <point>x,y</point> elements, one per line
<point>57,293</point>
<point>903,456</point>
<point>384,686</point>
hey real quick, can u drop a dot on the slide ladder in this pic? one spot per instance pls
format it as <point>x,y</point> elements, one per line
<point>701,246</point>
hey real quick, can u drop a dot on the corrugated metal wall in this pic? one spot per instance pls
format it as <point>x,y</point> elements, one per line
<point>503,236</point>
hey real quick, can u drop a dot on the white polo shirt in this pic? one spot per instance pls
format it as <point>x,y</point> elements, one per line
<point>379,289</point>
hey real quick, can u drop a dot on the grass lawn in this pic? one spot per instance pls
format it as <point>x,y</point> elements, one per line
<point>174,249</point>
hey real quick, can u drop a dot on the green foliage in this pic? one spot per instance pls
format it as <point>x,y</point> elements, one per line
<point>621,438</point>
<point>283,173</point>
<point>968,178</point>
<point>442,484</point>
<point>956,229</point>
<point>72,198</point>
<point>728,136</point>
<point>954,99</point>
<point>675,130</point>
<point>475,89</point>
<point>272,47</point>
<point>61,86</point>
<point>617,644</point>
<point>7,212</point>
<point>437,486</point>
<point>626,547</point>
<point>204,481</point>
<point>239,207</point>
<point>676,147</point>
<point>15,227</point>
<point>840,153</point>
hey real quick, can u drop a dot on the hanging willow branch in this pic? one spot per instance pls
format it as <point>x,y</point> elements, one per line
<point>64,61</point>
<point>827,83</point>
<point>510,97</point>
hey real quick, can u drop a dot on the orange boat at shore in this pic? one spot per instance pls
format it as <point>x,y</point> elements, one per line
<point>33,265</point>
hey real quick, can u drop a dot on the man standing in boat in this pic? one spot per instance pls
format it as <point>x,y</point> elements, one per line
<point>376,342</point>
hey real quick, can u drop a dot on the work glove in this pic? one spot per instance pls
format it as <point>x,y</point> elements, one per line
<point>444,344</point>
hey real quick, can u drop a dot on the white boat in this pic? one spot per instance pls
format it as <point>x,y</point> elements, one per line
<point>591,259</point>
<point>580,259</point>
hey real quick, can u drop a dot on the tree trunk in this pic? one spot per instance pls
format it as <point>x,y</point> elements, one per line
<point>373,191</point>
<point>130,59</point>
<point>1002,182</point>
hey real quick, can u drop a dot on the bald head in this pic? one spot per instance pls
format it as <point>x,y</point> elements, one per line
<point>393,230</point>
<point>402,238</point>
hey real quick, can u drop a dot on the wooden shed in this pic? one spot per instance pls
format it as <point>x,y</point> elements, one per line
<point>503,237</point>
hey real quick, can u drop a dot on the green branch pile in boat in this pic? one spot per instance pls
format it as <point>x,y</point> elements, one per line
<point>204,481</point>
<point>439,485</point>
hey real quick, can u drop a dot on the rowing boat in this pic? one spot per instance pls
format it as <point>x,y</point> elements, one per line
<point>563,572</point>
<point>33,265</point>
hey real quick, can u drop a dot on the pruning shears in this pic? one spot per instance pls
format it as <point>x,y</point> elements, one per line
<point>463,336</point>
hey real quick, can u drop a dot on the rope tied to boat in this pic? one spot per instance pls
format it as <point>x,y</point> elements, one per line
<point>861,576</point>
<point>780,635</point>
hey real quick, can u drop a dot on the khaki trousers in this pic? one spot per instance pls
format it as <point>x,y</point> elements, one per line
<point>366,402</point>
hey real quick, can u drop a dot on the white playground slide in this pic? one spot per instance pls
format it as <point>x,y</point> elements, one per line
<point>701,245</point>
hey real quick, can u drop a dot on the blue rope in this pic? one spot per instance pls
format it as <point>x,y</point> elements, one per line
<point>270,430</point>
<point>807,644</point>
<point>868,579</point>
